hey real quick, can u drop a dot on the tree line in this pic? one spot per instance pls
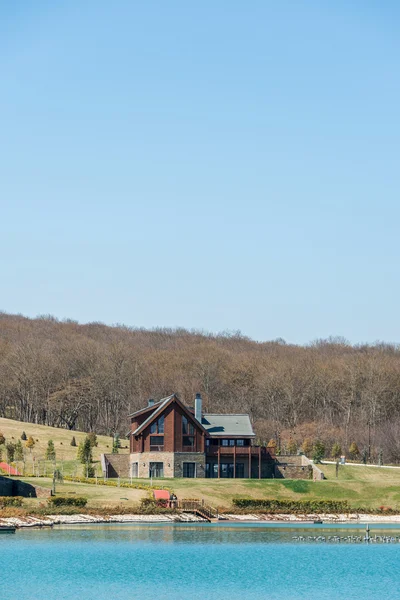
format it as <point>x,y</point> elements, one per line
<point>90,377</point>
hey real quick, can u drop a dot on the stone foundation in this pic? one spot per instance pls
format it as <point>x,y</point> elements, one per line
<point>198,458</point>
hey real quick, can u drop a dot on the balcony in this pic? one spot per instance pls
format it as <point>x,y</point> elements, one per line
<point>238,450</point>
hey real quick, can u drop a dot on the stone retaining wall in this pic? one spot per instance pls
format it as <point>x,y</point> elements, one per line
<point>15,487</point>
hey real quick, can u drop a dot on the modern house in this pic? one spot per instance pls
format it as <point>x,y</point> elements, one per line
<point>169,439</point>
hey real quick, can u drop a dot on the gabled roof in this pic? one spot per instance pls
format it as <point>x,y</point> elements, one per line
<point>160,407</point>
<point>151,407</point>
<point>227,425</point>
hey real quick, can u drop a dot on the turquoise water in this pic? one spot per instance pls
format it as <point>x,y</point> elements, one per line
<point>195,562</point>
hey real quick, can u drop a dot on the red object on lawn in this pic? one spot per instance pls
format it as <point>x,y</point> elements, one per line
<point>8,469</point>
<point>162,498</point>
<point>161,495</point>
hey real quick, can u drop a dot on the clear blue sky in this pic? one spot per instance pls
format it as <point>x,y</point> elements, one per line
<point>211,164</point>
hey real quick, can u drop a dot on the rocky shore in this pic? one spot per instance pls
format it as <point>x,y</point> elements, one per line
<point>51,520</point>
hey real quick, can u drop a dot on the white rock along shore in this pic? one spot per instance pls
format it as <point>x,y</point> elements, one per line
<point>51,520</point>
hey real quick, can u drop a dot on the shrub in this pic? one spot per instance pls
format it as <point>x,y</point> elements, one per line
<point>23,436</point>
<point>30,443</point>
<point>73,441</point>
<point>293,506</point>
<point>354,451</point>
<point>78,501</point>
<point>10,501</point>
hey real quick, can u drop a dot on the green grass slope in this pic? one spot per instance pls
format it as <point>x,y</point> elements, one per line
<point>66,455</point>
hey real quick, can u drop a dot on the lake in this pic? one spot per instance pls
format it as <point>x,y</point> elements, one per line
<point>195,562</point>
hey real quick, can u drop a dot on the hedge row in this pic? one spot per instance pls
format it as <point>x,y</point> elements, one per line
<point>293,506</point>
<point>10,501</point>
<point>114,483</point>
<point>63,501</point>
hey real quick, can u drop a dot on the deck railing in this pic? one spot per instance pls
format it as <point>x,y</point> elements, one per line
<point>198,507</point>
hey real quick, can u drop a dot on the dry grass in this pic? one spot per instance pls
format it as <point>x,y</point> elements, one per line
<point>12,431</point>
<point>99,496</point>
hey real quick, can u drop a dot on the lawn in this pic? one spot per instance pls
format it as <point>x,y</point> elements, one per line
<point>361,486</point>
<point>98,495</point>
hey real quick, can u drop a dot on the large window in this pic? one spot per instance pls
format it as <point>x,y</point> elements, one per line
<point>156,469</point>
<point>189,469</point>
<point>188,433</point>
<point>188,440</point>
<point>239,470</point>
<point>157,426</point>
<point>156,443</point>
<point>187,426</point>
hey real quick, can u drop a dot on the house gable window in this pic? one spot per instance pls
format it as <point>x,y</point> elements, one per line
<point>157,426</point>
<point>188,433</point>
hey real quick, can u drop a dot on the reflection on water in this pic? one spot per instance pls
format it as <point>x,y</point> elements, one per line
<point>200,533</point>
<point>224,561</point>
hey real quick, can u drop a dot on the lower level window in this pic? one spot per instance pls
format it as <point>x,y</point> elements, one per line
<point>156,469</point>
<point>135,469</point>
<point>189,469</point>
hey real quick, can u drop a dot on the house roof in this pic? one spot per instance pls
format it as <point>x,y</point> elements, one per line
<point>159,408</point>
<point>223,425</point>
<point>150,407</point>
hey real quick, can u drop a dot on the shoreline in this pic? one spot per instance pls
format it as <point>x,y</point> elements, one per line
<point>309,519</point>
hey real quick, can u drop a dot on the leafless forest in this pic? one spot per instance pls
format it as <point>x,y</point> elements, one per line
<point>89,377</point>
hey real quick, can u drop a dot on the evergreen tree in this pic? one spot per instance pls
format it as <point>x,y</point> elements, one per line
<point>23,436</point>
<point>93,439</point>
<point>354,451</point>
<point>10,447</point>
<point>364,456</point>
<point>50,451</point>
<point>73,441</point>
<point>116,444</point>
<point>318,452</point>
<point>30,443</point>
<point>336,451</point>
<point>19,451</point>
<point>292,446</point>
<point>85,451</point>
<point>2,439</point>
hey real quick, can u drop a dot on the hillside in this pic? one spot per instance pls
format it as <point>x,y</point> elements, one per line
<point>90,377</point>
<point>66,455</point>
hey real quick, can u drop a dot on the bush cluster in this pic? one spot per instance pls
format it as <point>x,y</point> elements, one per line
<point>10,501</point>
<point>293,506</point>
<point>79,501</point>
